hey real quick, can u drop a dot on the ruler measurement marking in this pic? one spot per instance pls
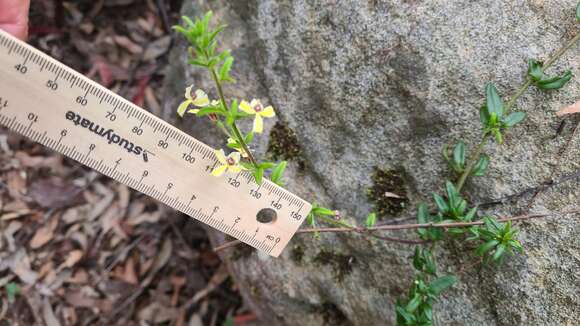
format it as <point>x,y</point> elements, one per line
<point>48,130</point>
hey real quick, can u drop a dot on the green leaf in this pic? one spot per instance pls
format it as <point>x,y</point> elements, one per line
<point>469,216</point>
<point>422,218</point>
<point>407,318</point>
<point>491,223</point>
<point>452,194</point>
<point>266,165</point>
<point>197,62</point>
<point>498,252</point>
<point>209,110</point>
<point>371,220</point>
<point>248,166</point>
<point>484,116</point>
<point>12,290</point>
<point>578,12</point>
<point>516,245</point>
<point>498,136</point>
<point>442,283</point>
<point>445,153</point>
<point>535,70</point>
<point>484,248</point>
<point>258,174</point>
<point>422,213</point>
<point>224,73</point>
<point>310,219</point>
<point>513,118</point>
<point>249,137</point>
<point>206,19</point>
<point>441,204</point>
<point>229,321</point>
<point>493,101</point>
<point>418,261</point>
<point>413,304</point>
<point>323,211</point>
<point>555,82</point>
<point>181,30</point>
<point>481,166</point>
<point>459,155</point>
<point>278,172</point>
<point>216,31</point>
<point>188,21</point>
<point>232,113</point>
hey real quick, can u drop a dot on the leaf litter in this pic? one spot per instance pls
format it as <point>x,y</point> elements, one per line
<point>77,248</point>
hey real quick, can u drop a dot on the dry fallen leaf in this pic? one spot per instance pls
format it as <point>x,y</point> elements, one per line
<point>574,108</point>
<point>392,195</point>
<point>48,314</point>
<point>44,234</point>
<point>55,193</point>
<point>72,258</point>
<point>19,263</point>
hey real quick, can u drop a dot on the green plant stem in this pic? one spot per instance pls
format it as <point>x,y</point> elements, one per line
<point>235,129</point>
<point>512,101</point>
<point>472,162</point>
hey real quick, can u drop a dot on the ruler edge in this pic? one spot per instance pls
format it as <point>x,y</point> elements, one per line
<point>13,41</point>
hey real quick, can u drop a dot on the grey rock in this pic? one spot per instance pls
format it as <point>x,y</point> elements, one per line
<point>386,84</point>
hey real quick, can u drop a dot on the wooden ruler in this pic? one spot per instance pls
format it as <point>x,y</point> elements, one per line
<point>57,107</point>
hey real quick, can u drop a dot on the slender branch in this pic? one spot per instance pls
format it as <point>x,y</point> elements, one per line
<point>235,129</point>
<point>472,162</point>
<point>435,225</point>
<point>227,245</point>
<point>512,101</point>
<point>369,230</point>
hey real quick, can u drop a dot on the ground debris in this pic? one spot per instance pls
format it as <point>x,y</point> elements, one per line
<point>77,248</point>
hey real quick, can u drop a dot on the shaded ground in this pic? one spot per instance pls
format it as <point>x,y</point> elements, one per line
<point>77,248</point>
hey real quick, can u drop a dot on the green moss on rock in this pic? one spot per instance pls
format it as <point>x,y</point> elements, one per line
<point>284,145</point>
<point>341,263</point>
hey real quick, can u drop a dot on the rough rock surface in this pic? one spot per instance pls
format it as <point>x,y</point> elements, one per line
<point>385,84</point>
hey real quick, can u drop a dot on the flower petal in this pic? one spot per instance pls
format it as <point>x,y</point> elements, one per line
<point>268,112</point>
<point>254,103</point>
<point>188,92</point>
<point>201,98</point>
<point>183,107</point>
<point>193,111</point>
<point>258,124</point>
<point>219,170</point>
<point>235,156</point>
<point>221,156</point>
<point>235,168</point>
<point>246,107</point>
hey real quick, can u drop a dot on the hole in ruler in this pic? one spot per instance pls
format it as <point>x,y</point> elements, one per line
<point>266,215</point>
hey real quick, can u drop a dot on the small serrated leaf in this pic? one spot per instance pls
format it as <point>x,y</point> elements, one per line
<point>442,283</point>
<point>513,118</point>
<point>493,101</point>
<point>371,220</point>
<point>459,155</point>
<point>481,166</point>
<point>555,82</point>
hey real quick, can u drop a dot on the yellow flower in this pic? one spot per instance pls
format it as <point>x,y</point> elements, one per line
<point>256,108</point>
<point>234,144</point>
<point>230,163</point>
<point>198,98</point>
